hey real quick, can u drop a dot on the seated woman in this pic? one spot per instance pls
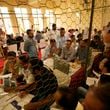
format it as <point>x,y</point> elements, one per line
<point>66,98</point>
<point>98,98</point>
<point>25,77</point>
<point>11,65</point>
<point>51,49</point>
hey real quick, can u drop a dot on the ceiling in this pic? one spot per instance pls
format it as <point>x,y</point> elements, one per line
<point>43,3</point>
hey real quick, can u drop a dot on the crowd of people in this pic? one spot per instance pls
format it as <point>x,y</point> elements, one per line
<point>33,77</point>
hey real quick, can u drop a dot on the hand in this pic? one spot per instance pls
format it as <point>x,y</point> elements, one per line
<point>22,94</point>
<point>21,87</point>
<point>29,106</point>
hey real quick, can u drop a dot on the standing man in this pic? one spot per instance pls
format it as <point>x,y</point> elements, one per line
<point>54,33</point>
<point>61,40</point>
<point>30,44</point>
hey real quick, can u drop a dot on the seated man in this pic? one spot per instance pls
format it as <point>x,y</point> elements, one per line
<point>25,78</point>
<point>82,52</point>
<point>51,49</point>
<point>66,98</point>
<point>68,52</point>
<point>45,85</point>
<point>96,43</point>
<point>11,65</point>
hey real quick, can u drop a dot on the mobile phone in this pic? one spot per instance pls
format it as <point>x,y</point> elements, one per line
<point>15,104</point>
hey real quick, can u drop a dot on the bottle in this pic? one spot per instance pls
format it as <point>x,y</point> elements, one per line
<point>7,82</point>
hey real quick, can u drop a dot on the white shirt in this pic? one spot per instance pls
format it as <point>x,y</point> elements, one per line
<point>27,75</point>
<point>53,34</point>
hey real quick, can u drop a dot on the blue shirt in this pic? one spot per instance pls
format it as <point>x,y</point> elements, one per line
<point>30,47</point>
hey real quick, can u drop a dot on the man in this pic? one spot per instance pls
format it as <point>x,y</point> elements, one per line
<point>11,65</point>
<point>53,34</point>
<point>25,78</point>
<point>82,51</point>
<point>95,32</point>
<point>61,40</point>
<point>45,85</point>
<point>25,69</point>
<point>76,33</point>
<point>51,49</point>
<point>68,52</point>
<point>30,44</point>
<point>66,98</point>
<point>96,43</point>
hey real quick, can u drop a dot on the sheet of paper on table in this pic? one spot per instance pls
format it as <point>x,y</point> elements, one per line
<point>63,79</point>
<point>91,81</point>
<point>73,66</point>
<point>6,103</point>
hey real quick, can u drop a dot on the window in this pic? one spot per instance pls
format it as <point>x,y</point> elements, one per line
<point>38,19</point>
<point>5,21</point>
<point>22,18</point>
<point>50,18</point>
<point>1,22</point>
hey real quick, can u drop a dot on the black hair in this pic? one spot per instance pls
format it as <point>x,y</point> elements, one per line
<point>107,65</point>
<point>20,79</point>
<point>97,37</point>
<point>53,25</point>
<point>62,29</point>
<point>29,30</point>
<point>52,40</point>
<point>69,98</point>
<point>24,58</point>
<point>76,29</point>
<point>36,64</point>
<point>79,35</point>
<point>104,79</point>
<point>11,53</point>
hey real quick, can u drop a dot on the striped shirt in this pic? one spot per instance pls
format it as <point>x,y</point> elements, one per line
<point>46,83</point>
